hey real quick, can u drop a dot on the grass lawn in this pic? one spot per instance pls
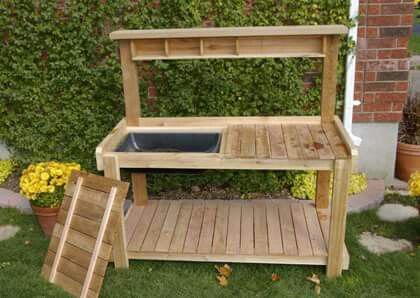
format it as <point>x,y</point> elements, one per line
<point>414,44</point>
<point>392,275</point>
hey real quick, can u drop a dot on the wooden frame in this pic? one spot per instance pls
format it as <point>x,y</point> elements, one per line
<point>266,143</point>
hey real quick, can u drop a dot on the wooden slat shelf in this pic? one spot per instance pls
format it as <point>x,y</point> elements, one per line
<point>257,231</point>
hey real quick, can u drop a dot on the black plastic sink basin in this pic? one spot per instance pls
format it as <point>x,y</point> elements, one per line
<point>170,142</point>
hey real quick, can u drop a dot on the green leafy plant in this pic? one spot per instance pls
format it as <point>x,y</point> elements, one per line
<point>6,168</point>
<point>304,185</point>
<point>61,79</point>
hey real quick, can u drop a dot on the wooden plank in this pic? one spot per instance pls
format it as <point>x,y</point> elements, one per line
<point>230,32</point>
<point>194,227</point>
<point>233,146</point>
<point>233,242</point>
<point>82,241</point>
<point>181,228</point>
<point>71,286</point>
<point>301,230</point>
<point>277,145</point>
<point>287,229</point>
<point>155,227</point>
<point>168,228</point>
<point>130,84</point>
<point>72,270</point>
<point>247,229</point>
<point>321,142</point>
<point>275,242</point>
<point>294,151</point>
<point>220,228</point>
<point>85,226</point>
<point>98,245</point>
<point>65,230</point>
<point>142,226</point>
<point>207,230</point>
<point>92,196</point>
<point>342,172</point>
<point>306,142</point>
<point>260,228</point>
<point>139,186</point>
<point>314,229</point>
<point>337,144</point>
<point>322,196</point>
<point>247,141</point>
<point>77,255</point>
<point>262,142</point>
<point>329,79</point>
<point>132,221</point>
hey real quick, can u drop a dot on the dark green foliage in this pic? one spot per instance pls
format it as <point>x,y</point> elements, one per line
<point>60,78</point>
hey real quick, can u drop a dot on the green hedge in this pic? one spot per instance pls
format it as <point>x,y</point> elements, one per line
<point>60,77</point>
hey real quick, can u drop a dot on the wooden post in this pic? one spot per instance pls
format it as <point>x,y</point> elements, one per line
<point>322,200</point>
<point>131,85</point>
<point>112,170</point>
<point>342,171</point>
<point>139,184</point>
<point>329,78</point>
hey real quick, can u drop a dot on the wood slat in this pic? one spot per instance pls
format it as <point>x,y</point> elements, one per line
<point>207,231</point>
<point>194,228</point>
<point>287,229</point>
<point>220,228</point>
<point>132,221</point>
<point>233,146</point>
<point>291,139</point>
<point>72,286</point>
<point>301,231</point>
<point>275,243</point>
<point>337,144</point>
<point>142,226</point>
<point>233,242</point>
<point>321,142</point>
<point>247,141</point>
<point>156,226</point>
<point>277,145</point>
<point>168,228</point>
<point>247,229</point>
<point>262,142</point>
<point>306,142</point>
<point>260,228</point>
<point>178,239</point>
<point>315,233</point>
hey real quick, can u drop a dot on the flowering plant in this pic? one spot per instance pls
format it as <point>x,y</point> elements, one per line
<point>6,168</point>
<point>304,185</point>
<point>414,184</point>
<point>43,183</point>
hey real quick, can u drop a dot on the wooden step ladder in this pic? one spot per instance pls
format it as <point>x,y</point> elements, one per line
<point>81,243</point>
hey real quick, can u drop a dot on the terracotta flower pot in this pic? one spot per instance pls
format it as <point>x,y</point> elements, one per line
<point>408,160</point>
<point>46,218</point>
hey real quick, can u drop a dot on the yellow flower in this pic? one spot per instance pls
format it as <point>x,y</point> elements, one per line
<point>45,176</point>
<point>51,188</point>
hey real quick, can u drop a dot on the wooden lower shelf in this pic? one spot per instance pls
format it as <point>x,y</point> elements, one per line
<point>257,231</point>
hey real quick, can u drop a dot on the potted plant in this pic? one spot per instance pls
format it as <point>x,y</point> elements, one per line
<point>408,149</point>
<point>43,184</point>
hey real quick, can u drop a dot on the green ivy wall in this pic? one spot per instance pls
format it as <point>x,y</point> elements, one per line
<point>60,79</point>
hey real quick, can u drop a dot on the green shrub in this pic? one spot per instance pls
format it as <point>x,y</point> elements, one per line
<point>304,185</point>
<point>6,168</point>
<point>61,80</point>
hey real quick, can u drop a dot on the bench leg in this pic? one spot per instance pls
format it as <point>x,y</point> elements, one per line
<point>342,170</point>
<point>322,200</point>
<point>112,170</point>
<point>139,186</point>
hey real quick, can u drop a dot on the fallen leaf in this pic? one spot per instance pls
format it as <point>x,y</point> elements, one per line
<point>275,277</point>
<point>224,270</point>
<point>28,242</point>
<point>150,269</point>
<point>363,257</point>
<point>314,278</point>
<point>318,289</point>
<point>412,254</point>
<point>222,280</point>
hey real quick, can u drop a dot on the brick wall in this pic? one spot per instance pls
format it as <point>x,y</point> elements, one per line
<point>382,59</point>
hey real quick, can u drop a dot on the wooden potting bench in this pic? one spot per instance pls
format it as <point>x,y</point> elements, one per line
<point>260,231</point>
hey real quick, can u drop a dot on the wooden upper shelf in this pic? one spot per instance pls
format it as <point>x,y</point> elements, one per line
<point>235,42</point>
